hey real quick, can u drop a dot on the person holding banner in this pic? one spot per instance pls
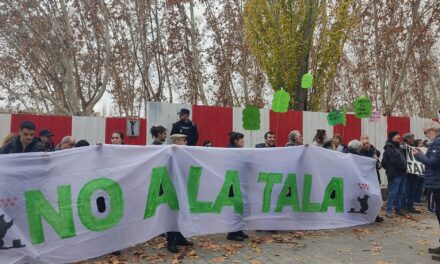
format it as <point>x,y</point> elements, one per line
<point>176,238</point>
<point>394,162</point>
<point>236,140</point>
<point>411,178</point>
<point>431,160</point>
<point>159,134</point>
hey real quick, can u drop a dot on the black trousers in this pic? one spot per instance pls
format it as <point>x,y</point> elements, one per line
<point>436,196</point>
<point>174,237</point>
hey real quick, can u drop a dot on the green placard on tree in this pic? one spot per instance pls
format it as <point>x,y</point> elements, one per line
<point>336,117</point>
<point>363,107</point>
<point>307,81</point>
<point>251,118</point>
<point>280,101</point>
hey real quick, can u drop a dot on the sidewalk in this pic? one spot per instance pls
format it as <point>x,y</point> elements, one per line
<point>397,240</point>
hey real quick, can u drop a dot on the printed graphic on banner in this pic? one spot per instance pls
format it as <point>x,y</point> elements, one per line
<point>59,216</point>
<point>414,166</point>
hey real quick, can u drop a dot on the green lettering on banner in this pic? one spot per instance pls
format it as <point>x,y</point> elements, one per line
<point>85,213</point>
<point>38,207</point>
<point>195,206</point>
<point>160,177</point>
<point>270,179</point>
<point>308,206</point>
<point>288,195</point>
<point>223,199</point>
<point>336,185</point>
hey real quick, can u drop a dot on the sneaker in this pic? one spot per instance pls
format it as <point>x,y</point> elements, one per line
<point>436,257</point>
<point>181,241</point>
<point>234,236</point>
<point>172,247</point>
<point>434,250</point>
<point>379,219</point>
<point>389,215</point>
<point>243,234</point>
<point>413,210</point>
<point>400,212</point>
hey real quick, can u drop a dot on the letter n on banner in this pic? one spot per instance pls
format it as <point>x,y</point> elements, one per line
<point>38,207</point>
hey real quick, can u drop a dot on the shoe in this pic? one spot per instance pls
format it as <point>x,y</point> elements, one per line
<point>413,210</point>
<point>235,237</point>
<point>434,250</point>
<point>379,219</point>
<point>436,257</point>
<point>172,247</point>
<point>389,215</point>
<point>243,234</point>
<point>400,212</point>
<point>181,241</point>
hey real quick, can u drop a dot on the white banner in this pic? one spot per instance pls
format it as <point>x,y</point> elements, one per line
<point>78,204</point>
<point>414,166</point>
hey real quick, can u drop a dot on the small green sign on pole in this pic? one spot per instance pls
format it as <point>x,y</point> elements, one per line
<point>251,118</point>
<point>280,102</point>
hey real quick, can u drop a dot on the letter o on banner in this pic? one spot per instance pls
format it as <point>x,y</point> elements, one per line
<point>85,213</point>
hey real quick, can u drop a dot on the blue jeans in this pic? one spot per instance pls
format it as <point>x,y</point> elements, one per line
<point>396,190</point>
<point>420,187</point>
<point>411,191</point>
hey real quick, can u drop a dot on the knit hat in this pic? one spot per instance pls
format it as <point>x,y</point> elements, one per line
<point>407,136</point>
<point>392,134</point>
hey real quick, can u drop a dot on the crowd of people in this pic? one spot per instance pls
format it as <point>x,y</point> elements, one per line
<point>404,191</point>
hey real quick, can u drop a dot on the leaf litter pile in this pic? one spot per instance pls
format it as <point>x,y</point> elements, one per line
<point>215,250</point>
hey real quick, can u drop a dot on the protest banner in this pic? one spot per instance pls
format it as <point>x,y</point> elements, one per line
<point>82,203</point>
<point>414,166</point>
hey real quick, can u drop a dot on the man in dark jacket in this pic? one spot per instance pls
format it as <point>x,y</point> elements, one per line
<point>46,137</point>
<point>369,150</point>
<point>432,169</point>
<point>295,139</point>
<point>25,142</point>
<point>269,138</point>
<point>394,162</point>
<point>186,127</point>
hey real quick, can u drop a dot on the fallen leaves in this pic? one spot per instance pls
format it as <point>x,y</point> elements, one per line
<point>218,260</point>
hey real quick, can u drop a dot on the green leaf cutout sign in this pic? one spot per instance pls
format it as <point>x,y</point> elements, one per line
<point>280,102</point>
<point>251,118</point>
<point>363,107</point>
<point>336,117</point>
<point>307,81</point>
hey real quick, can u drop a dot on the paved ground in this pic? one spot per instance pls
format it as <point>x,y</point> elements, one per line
<point>397,240</point>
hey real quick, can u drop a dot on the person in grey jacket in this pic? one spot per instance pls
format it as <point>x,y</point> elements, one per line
<point>431,160</point>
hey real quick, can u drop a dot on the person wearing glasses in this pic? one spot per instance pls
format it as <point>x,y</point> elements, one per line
<point>431,160</point>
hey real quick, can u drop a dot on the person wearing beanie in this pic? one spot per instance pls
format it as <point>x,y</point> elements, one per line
<point>394,162</point>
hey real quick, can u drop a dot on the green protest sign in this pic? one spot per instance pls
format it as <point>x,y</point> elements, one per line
<point>280,102</point>
<point>336,117</point>
<point>251,118</point>
<point>307,81</point>
<point>363,107</point>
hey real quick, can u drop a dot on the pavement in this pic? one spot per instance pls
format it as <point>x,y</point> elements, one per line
<point>397,240</point>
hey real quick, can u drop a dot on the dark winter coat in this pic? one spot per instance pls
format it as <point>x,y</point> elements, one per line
<point>262,145</point>
<point>394,160</point>
<point>15,146</point>
<point>432,164</point>
<point>155,142</point>
<point>186,128</point>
